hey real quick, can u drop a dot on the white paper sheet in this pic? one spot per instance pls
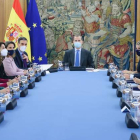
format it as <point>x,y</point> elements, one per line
<point>45,66</point>
<point>94,70</point>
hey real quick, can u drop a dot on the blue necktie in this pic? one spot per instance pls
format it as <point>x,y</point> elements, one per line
<point>77,59</point>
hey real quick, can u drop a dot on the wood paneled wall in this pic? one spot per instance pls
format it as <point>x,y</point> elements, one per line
<point>5,9</point>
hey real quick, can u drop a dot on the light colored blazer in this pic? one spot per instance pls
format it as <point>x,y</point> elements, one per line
<point>10,67</point>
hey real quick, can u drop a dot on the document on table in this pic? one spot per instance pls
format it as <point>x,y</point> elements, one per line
<point>94,70</point>
<point>45,66</point>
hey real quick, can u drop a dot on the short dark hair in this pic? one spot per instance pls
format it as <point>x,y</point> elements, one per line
<point>8,43</point>
<point>2,43</point>
<point>22,38</point>
<point>82,37</point>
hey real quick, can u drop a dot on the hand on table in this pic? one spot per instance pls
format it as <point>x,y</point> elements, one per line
<point>12,81</point>
<point>125,71</point>
<point>30,69</point>
<point>127,76</point>
<point>128,72</point>
<point>5,90</point>
<point>138,86</point>
<point>136,80</point>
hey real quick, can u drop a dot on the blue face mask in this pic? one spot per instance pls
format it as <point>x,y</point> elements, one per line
<point>138,52</point>
<point>11,52</point>
<point>77,44</point>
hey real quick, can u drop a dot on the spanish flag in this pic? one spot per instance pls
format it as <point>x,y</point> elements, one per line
<point>17,26</point>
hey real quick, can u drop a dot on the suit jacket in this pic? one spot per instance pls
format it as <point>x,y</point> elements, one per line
<point>138,67</point>
<point>138,70</point>
<point>18,60</point>
<point>86,58</point>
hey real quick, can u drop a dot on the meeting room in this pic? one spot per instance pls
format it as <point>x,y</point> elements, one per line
<point>69,69</point>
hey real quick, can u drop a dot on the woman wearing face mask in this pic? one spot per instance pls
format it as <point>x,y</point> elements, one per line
<point>9,65</point>
<point>3,54</point>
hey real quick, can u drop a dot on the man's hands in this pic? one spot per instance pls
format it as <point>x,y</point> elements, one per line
<point>25,57</point>
<point>125,71</point>
<point>127,76</point>
<point>138,86</point>
<point>136,80</point>
<point>129,72</point>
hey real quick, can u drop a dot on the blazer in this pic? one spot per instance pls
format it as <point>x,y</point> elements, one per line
<point>86,58</point>
<point>137,75</point>
<point>18,60</point>
<point>10,67</point>
<point>138,67</point>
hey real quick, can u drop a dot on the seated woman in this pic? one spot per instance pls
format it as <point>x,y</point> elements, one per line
<point>3,54</point>
<point>10,67</point>
<point>4,82</point>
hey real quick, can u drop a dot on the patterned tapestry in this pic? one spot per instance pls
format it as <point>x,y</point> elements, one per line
<point>108,28</point>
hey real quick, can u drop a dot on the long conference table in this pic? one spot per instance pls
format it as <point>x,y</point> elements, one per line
<point>68,106</point>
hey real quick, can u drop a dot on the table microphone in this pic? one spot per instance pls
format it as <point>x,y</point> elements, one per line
<point>134,137</point>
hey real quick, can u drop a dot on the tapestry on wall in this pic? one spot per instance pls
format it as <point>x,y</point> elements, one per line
<point>108,28</point>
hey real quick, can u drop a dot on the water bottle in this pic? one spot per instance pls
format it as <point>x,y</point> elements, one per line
<point>117,78</point>
<point>133,110</point>
<point>111,66</point>
<point>127,95</point>
<point>113,72</point>
<point>138,114</point>
<point>122,85</point>
<point>60,66</point>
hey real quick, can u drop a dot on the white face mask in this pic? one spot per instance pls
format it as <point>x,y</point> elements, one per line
<point>23,48</point>
<point>4,52</point>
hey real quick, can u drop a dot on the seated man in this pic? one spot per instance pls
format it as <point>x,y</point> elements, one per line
<point>78,56</point>
<point>21,57</point>
<point>131,74</point>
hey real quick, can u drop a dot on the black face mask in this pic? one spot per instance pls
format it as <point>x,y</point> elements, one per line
<point>11,52</point>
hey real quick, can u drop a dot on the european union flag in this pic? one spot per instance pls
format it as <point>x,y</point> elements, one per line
<point>37,36</point>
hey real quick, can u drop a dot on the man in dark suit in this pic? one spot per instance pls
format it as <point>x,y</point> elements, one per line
<point>78,56</point>
<point>21,57</point>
